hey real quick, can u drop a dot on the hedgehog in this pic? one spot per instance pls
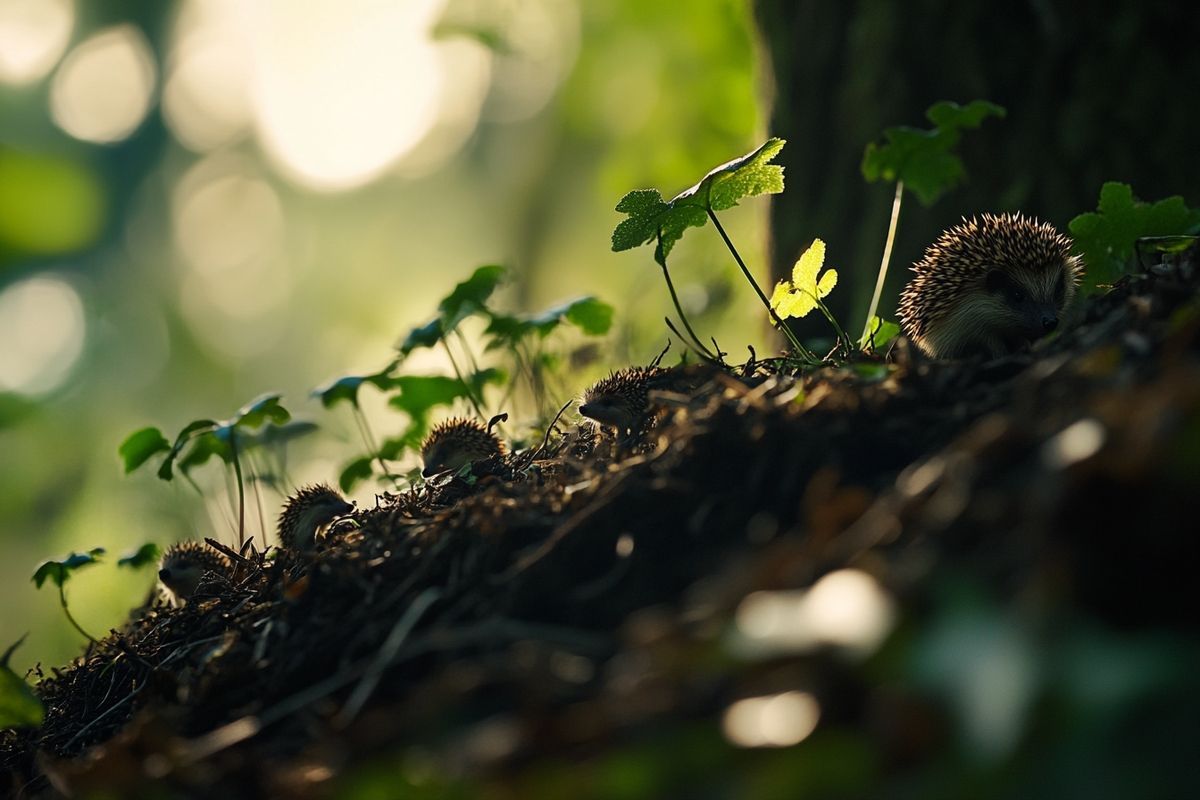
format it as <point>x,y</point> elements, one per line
<point>182,567</point>
<point>307,511</point>
<point>621,401</point>
<point>989,285</point>
<point>455,443</point>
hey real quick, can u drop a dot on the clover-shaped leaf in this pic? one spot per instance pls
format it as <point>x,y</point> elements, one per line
<point>59,570</point>
<point>346,387</point>
<point>879,334</point>
<point>653,219</point>
<point>925,159</point>
<point>799,296</point>
<point>470,296</point>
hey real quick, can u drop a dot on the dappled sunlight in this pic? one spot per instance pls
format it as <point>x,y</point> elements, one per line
<point>779,720</point>
<point>42,328</point>
<point>341,93</point>
<point>103,89</point>
<point>33,35</point>
<point>847,609</point>
<point>206,96</point>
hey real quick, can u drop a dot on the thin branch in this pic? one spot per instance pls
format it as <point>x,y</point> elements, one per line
<point>458,374</point>
<point>682,316</point>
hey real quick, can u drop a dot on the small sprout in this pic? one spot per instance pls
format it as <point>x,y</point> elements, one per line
<point>797,297</point>
<point>880,333</point>
<point>144,556</point>
<point>59,571</point>
<point>19,706</point>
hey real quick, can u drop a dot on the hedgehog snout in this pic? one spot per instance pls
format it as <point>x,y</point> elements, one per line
<point>164,574</point>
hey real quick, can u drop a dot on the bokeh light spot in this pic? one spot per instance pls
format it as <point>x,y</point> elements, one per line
<point>33,35</point>
<point>342,90</point>
<point>42,328</point>
<point>102,91</point>
<point>779,720</point>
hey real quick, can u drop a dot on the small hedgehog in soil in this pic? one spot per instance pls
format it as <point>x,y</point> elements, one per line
<point>182,567</point>
<point>621,401</point>
<point>989,285</point>
<point>306,512</point>
<point>455,443</point>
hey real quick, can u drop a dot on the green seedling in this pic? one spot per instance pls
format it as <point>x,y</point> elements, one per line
<point>1109,236</point>
<point>925,162</point>
<point>467,299</point>
<point>204,438</point>
<point>651,219</point>
<point>523,336</point>
<point>19,706</point>
<point>807,289</point>
<point>59,571</point>
<point>880,333</point>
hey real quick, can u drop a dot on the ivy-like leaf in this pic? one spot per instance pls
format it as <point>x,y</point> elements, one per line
<point>185,435</point>
<point>925,159</point>
<point>797,297</point>
<point>470,296</point>
<point>140,445</point>
<point>58,571</point>
<point>144,556</point>
<point>879,335</point>
<point>19,706</point>
<point>591,315</point>
<point>346,387</point>
<point>273,435</point>
<point>353,473</point>
<point>1107,237</point>
<point>653,219</point>
<point>420,393</point>
<point>427,335</point>
<point>266,408</point>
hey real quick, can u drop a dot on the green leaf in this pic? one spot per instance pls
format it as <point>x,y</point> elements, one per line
<point>203,447</point>
<point>19,706</point>
<point>60,570</point>
<point>346,388</point>
<point>164,469</point>
<point>470,296</point>
<point>143,556</point>
<point>652,219</point>
<point>925,159</point>
<point>420,393</point>
<point>353,473</point>
<point>880,333</point>
<point>274,435</point>
<point>140,445</point>
<point>1108,236</point>
<point>427,335</point>
<point>591,315</point>
<point>258,411</point>
<point>797,297</point>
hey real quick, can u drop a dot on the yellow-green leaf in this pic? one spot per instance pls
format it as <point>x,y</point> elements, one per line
<point>804,274</point>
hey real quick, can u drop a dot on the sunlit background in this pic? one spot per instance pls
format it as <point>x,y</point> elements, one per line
<point>205,200</point>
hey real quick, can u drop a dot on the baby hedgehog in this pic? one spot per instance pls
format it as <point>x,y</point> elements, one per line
<point>989,285</point>
<point>455,443</point>
<point>621,401</point>
<point>306,512</point>
<point>182,567</point>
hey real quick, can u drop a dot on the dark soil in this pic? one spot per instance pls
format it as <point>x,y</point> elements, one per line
<point>568,626</point>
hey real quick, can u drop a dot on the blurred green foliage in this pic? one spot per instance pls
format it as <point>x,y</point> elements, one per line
<point>1108,236</point>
